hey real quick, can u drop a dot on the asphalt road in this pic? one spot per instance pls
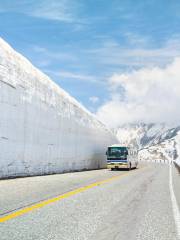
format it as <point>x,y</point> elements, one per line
<point>128,205</point>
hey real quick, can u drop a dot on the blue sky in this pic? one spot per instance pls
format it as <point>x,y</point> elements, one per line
<point>82,44</point>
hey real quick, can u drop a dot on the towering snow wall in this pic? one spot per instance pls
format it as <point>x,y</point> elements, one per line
<point>42,129</point>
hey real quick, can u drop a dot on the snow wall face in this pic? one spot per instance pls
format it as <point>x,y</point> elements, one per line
<point>42,129</point>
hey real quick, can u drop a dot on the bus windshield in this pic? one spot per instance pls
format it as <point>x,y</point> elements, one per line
<point>118,152</point>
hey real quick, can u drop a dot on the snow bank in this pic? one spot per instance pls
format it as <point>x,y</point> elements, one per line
<point>42,128</point>
<point>178,162</point>
<point>178,148</point>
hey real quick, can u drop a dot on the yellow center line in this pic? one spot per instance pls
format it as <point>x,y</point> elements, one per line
<point>58,198</point>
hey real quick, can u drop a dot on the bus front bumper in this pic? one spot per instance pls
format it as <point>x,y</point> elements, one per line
<point>117,165</point>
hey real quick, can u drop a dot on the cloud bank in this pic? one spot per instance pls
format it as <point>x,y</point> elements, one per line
<point>144,95</point>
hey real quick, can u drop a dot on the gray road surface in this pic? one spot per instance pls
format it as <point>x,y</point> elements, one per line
<point>135,206</point>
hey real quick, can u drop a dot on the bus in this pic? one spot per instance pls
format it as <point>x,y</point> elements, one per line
<point>119,156</point>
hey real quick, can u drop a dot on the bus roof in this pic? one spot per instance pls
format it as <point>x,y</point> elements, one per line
<point>118,145</point>
<point>123,145</point>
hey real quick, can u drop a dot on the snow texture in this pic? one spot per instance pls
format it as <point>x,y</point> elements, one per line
<point>43,129</point>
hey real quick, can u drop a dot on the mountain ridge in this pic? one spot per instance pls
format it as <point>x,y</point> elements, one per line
<point>154,140</point>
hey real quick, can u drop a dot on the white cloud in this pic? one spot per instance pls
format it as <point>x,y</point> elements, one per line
<point>43,63</point>
<point>94,99</point>
<point>72,75</point>
<point>137,53</point>
<point>137,40</point>
<point>54,55</point>
<point>63,10</point>
<point>47,57</point>
<point>148,94</point>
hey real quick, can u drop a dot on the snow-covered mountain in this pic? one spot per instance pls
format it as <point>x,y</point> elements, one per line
<point>155,141</point>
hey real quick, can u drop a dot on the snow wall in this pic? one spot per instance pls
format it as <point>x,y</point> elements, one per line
<point>43,130</point>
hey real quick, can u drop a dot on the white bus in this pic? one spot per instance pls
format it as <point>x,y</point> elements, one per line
<point>119,156</point>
